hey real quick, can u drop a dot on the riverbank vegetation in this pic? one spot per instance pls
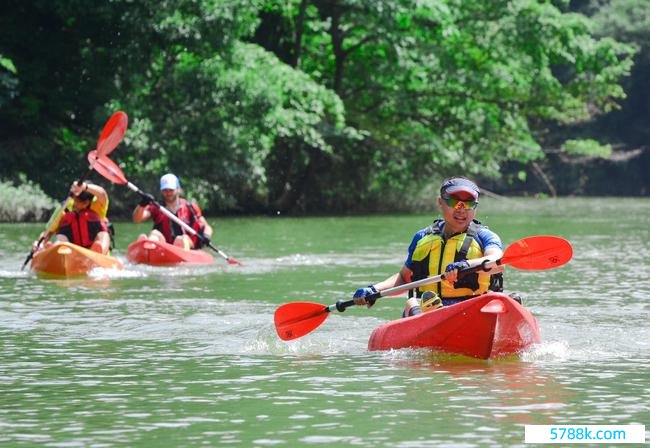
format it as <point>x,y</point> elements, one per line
<point>24,202</point>
<point>328,106</point>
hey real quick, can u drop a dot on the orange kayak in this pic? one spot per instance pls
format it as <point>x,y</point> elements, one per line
<point>156,253</point>
<point>70,260</point>
<point>488,326</point>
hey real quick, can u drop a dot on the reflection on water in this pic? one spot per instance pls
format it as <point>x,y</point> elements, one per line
<point>189,356</point>
<point>508,390</point>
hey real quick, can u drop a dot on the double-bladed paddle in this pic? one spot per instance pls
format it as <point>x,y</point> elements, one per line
<point>296,319</point>
<point>107,168</point>
<point>109,138</point>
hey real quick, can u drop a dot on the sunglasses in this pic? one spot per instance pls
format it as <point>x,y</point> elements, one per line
<point>457,203</point>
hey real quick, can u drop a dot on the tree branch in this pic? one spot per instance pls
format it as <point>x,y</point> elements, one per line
<point>540,173</point>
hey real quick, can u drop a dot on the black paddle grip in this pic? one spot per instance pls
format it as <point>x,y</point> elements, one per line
<point>481,267</point>
<point>341,305</point>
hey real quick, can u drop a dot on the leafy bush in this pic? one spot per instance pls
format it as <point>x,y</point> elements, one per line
<point>24,202</point>
<point>587,147</point>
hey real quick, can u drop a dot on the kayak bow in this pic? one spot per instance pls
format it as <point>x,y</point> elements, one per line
<point>156,253</point>
<point>69,260</point>
<point>488,326</point>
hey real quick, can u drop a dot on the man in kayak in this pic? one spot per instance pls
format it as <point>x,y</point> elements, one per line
<point>165,229</point>
<point>449,245</point>
<point>83,219</point>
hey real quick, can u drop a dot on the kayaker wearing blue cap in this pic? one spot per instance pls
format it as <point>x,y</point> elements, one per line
<point>164,229</point>
<point>455,242</point>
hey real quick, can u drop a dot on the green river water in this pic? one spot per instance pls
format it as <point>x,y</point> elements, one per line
<point>188,356</point>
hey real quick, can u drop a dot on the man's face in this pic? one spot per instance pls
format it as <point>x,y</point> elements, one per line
<point>80,204</point>
<point>458,210</point>
<point>169,194</point>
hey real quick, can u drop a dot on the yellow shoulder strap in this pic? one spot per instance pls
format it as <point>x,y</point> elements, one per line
<point>57,216</point>
<point>101,211</point>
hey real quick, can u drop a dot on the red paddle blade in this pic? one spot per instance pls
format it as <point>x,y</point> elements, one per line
<point>112,133</point>
<point>233,261</point>
<point>294,320</point>
<point>538,253</point>
<point>107,168</point>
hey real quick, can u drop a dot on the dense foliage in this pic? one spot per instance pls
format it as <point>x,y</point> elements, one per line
<point>304,105</point>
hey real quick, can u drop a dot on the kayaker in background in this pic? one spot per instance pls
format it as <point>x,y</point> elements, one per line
<point>164,229</point>
<point>450,244</point>
<point>83,220</point>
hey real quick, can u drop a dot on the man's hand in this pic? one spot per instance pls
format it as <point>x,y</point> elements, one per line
<point>203,238</point>
<point>77,188</point>
<point>146,199</point>
<point>453,269</point>
<point>361,294</point>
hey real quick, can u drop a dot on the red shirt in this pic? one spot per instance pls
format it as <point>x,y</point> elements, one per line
<point>188,213</point>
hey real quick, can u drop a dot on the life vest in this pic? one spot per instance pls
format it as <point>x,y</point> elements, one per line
<point>433,253</point>
<point>81,228</point>
<point>186,212</point>
<point>101,210</point>
<point>95,206</point>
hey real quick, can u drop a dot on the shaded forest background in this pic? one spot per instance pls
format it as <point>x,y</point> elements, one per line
<point>329,106</point>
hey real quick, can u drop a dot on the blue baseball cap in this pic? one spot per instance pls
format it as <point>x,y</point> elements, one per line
<point>457,185</point>
<point>169,182</point>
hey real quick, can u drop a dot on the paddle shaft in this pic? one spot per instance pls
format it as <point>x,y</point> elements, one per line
<point>178,221</point>
<point>341,305</point>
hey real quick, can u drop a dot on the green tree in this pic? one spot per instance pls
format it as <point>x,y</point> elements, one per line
<point>629,21</point>
<point>66,56</point>
<point>299,105</point>
<point>611,156</point>
<point>456,86</point>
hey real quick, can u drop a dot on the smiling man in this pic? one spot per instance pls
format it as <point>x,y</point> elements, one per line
<point>455,242</point>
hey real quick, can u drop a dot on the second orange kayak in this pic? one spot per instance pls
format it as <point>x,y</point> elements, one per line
<point>69,260</point>
<point>156,253</point>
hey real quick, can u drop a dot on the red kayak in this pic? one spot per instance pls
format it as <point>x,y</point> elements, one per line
<point>155,253</point>
<point>485,327</point>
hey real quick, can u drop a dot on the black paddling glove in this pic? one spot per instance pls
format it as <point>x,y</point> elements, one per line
<point>146,199</point>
